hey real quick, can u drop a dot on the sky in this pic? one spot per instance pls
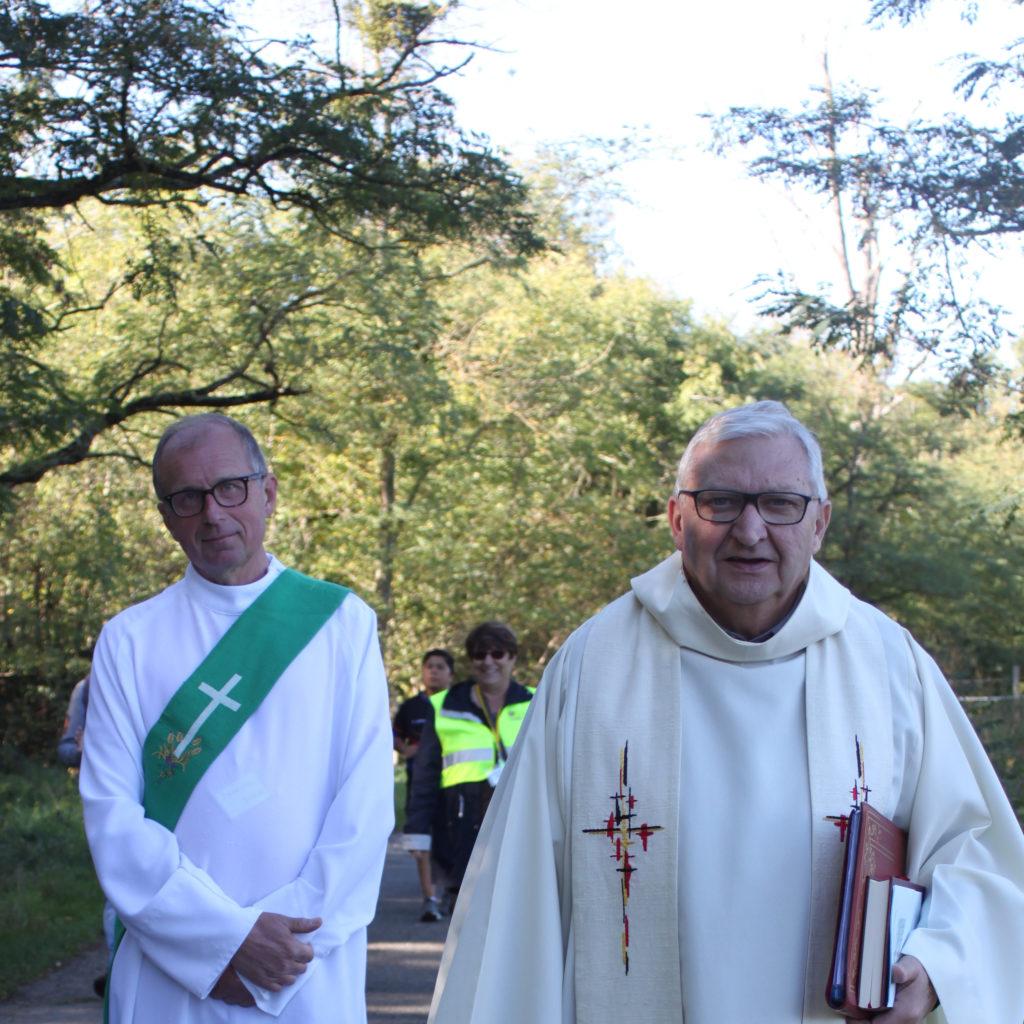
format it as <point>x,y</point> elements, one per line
<point>557,70</point>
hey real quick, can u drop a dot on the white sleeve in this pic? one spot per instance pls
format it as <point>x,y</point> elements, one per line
<point>966,847</point>
<point>183,921</point>
<point>340,880</point>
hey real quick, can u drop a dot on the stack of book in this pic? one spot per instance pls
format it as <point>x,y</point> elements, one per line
<point>878,908</point>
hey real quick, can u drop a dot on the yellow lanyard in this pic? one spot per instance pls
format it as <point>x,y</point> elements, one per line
<point>491,724</point>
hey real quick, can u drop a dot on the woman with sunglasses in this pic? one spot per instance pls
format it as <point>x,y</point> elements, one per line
<point>463,748</point>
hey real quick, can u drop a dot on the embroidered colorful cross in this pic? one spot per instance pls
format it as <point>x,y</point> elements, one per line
<point>859,791</point>
<point>218,698</point>
<point>621,832</point>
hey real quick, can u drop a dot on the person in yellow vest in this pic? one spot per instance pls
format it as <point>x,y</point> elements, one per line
<point>465,743</point>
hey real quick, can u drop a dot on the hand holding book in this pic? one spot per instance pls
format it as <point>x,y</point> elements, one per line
<point>915,996</point>
<point>892,910</point>
<point>877,911</point>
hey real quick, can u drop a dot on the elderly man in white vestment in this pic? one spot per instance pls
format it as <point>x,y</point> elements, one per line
<point>237,779</point>
<point>667,840</point>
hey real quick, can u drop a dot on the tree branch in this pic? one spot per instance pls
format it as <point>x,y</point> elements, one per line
<point>78,449</point>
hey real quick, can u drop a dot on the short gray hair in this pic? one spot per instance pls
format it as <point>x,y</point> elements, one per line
<point>202,421</point>
<point>759,419</point>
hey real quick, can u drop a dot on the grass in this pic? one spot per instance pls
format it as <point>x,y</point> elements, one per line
<point>52,904</point>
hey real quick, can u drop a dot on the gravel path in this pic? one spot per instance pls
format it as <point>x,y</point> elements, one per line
<point>402,963</point>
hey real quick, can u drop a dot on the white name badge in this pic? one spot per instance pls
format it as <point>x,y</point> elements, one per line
<point>495,773</point>
<point>242,795</point>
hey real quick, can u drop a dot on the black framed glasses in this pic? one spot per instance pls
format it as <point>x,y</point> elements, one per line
<point>777,508</point>
<point>228,493</point>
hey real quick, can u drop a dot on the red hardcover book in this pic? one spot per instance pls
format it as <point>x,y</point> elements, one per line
<point>876,848</point>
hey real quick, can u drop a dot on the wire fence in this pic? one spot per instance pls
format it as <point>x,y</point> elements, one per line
<point>999,722</point>
<point>990,687</point>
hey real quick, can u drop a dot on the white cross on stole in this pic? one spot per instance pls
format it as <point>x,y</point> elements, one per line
<point>218,698</point>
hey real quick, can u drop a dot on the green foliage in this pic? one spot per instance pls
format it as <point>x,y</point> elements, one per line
<point>463,398</point>
<point>914,198</point>
<point>400,787</point>
<point>925,500</point>
<point>458,436</point>
<point>145,101</point>
<point>472,440</point>
<point>837,147</point>
<point>81,544</point>
<point>574,185</point>
<point>391,25</point>
<point>168,107</point>
<point>52,904</point>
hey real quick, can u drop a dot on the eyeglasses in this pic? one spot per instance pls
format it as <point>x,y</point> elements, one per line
<point>496,655</point>
<point>228,493</point>
<point>777,508</point>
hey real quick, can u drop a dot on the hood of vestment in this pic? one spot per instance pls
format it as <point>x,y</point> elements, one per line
<point>666,594</point>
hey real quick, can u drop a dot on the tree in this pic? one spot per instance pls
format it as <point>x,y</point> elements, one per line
<point>85,543</point>
<point>969,177</point>
<point>141,348</point>
<point>482,428</point>
<point>385,421</point>
<point>155,101</point>
<point>470,437</point>
<point>919,197</point>
<point>481,443</point>
<point>163,106</point>
<point>925,519</point>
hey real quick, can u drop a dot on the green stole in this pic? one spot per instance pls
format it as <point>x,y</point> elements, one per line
<point>216,700</point>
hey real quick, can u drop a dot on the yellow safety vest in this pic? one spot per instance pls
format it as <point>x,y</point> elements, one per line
<point>468,748</point>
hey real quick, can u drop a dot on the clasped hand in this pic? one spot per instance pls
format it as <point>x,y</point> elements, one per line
<point>270,956</point>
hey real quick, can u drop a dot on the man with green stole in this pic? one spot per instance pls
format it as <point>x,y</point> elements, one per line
<point>666,843</point>
<point>236,778</point>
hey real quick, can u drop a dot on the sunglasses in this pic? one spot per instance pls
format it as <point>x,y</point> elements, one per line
<point>496,655</point>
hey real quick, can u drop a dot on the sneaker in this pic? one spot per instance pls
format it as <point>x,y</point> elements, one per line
<point>431,911</point>
<point>99,985</point>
